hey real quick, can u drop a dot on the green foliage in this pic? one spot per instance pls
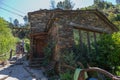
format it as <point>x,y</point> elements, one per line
<point>65,5</point>
<point>117,23</point>
<point>16,22</point>
<point>48,50</point>
<point>25,20</point>
<point>112,16</point>
<point>111,11</point>
<point>118,72</point>
<point>76,36</point>
<point>118,17</point>
<point>115,18</point>
<point>27,44</point>
<point>21,33</point>
<point>7,41</point>
<point>101,5</point>
<point>108,56</point>
<point>20,30</point>
<point>68,57</point>
<point>66,76</point>
<point>116,38</point>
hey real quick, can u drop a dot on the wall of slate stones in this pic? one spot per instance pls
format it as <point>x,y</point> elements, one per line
<point>60,32</point>
<point>38,21</point>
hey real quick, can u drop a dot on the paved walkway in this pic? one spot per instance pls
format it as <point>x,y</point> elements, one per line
<point>20,71</point>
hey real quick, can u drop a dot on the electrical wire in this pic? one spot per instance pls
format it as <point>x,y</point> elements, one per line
<point>11,12</point>
<point>12,8</point>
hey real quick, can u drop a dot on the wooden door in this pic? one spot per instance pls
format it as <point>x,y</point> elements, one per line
<point>40,45</point>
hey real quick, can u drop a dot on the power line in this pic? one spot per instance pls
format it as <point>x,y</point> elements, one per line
<point>11,12</point>
<point>12,8</point>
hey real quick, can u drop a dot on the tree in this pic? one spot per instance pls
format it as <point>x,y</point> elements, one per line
<point>52,2</point>
<point>117,23</point>
<point>101,4</point>
<point>118,1</point>
<point>16,22</point>
<point>25,20</point>
<point>60,5</point>
<point>118,17</point>
<point>111,17</point>
<point>108,56</point>
<point>65,5</point>
<point>96,1</point>
<point>7,41</point>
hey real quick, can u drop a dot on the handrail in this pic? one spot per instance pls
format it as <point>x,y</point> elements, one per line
<point>106,73</point>
<point>90,69</point>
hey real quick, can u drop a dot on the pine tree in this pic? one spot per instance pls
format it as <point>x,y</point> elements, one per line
<point>98,1</point>
<point>65,5</point>
<point>16,22</point>
<point>118,1</point>
<point>52,2</point>
<point>25,20</point>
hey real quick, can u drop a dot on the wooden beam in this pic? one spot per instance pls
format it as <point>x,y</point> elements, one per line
<point>88,28</point>
<point>40,37</point>
<point>38,34</point>
<point>105,19</point>
<point>20,28</point>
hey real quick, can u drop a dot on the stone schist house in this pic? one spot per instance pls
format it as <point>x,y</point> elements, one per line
<point>58,27</point>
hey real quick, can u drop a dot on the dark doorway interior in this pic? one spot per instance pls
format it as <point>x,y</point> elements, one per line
<point>40,41</point>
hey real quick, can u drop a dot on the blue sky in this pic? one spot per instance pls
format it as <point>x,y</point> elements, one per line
<point>25,6</point>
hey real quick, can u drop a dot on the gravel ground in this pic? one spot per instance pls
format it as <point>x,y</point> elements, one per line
<point>20,71</point>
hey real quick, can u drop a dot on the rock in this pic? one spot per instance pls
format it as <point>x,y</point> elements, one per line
<point>2,77</point>
<point>11,78</point>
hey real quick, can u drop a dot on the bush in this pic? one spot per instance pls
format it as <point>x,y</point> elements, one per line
<point>27,44</point>
<point>66,76</point>
<point>68,57</point>
<point>7,40</point>
<point>108,56</point>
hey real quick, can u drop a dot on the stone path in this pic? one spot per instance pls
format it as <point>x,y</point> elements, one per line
<point>20,71</point>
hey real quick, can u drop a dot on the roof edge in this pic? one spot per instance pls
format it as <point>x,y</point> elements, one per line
<point>104,18</point>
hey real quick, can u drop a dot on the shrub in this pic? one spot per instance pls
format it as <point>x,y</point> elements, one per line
<point>108,56</point>
<point>66,76</point>
<point>7,40</point>
<point>27,44</point>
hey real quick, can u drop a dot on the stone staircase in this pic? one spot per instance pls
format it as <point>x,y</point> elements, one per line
<point>36,63</point>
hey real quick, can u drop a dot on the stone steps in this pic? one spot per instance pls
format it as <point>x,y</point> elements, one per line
<point>36,62</point>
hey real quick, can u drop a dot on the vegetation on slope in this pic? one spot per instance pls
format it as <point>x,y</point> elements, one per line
<point>7,40</point>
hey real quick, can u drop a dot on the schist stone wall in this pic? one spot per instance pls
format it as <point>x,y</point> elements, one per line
<point>62,36</point>
<point>38,21</point>
<point>88,19</point>
<point>61,31</point>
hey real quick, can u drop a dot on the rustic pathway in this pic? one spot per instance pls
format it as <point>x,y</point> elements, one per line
<point>20,71</point>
